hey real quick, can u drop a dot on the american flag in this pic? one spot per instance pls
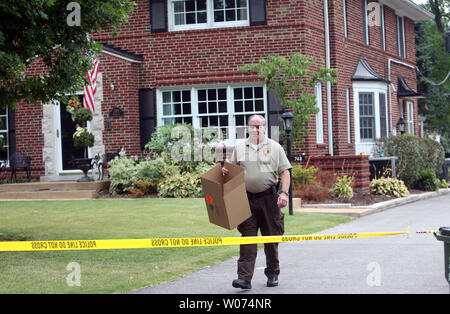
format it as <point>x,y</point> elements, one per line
<point>91,88</point>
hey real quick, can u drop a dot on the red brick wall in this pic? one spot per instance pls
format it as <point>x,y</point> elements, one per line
<point>354,165</point>
<point>211,56</point>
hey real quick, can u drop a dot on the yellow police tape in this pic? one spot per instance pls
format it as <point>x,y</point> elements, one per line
<point>66,245</point>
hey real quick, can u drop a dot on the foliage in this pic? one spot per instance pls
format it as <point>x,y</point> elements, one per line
<point>2,141</point>
<point>82,115</point>
<point>181,145</point>
<point>35,28</point>
<point>342,187</point>
<point>122,172</point>
<point>143,187</point>
<point>414,155</point>
<point>181,185</point>
<point>443,184</point>
<point>434,63</point>
<point>292,80</point>
<point>303,175</point>
<point>428,181</point>
<point>311,192</point>
<point>83,138</point>
<point>388,187</point>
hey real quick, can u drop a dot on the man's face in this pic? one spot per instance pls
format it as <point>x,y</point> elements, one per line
<point>256,129</point>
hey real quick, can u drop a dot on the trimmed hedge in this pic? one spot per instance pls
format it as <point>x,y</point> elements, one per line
<point>415,154</point>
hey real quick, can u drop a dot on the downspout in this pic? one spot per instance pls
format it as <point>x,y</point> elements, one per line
<point>328,65</point>
<point>390,86</point>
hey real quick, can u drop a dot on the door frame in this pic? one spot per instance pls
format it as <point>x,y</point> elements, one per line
<point>58,143</point>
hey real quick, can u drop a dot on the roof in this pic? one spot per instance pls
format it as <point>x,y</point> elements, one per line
<point>364,72</point>
<point>409,9</point>
<point>404,90</point>
<point>122,53</point>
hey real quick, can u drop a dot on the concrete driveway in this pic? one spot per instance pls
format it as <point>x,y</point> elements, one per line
<point>393,264</point>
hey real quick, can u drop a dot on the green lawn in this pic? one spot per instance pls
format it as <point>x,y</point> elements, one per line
<point>114,271</point>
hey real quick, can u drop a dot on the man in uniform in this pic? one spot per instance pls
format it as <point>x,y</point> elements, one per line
<point>265,162</point>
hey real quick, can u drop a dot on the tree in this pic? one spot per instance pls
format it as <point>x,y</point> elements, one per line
<point>434,64</point>
<point>290,78</point>
<point>57,32</point>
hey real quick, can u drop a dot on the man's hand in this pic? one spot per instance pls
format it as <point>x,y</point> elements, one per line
<point>283,200</point>
<point>225,171</point>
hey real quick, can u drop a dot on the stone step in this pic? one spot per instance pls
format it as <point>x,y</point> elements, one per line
<point>95,186</point>
<point>49,195</point>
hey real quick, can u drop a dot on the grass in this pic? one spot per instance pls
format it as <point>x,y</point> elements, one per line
<point>115,271</point>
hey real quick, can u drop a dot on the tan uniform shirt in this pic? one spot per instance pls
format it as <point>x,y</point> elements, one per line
<point>262,166</point>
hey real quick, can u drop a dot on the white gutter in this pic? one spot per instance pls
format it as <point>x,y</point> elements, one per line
<point>328,65</point>
<point>390,86</point>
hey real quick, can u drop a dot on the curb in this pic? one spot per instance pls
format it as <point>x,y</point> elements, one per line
<point>359,211</point>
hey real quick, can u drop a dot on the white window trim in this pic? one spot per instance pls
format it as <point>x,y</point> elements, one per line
<point>209,17</point>
<point>319,115</point>
<point>366,24</point>
<point>410,117</point>
<point>344,12</point>
<point>231,136</point>
<point>4,130</point>
<point>368,87</point>
<point>347,97</point>
<point>383,28</point>
<point>401,44</point>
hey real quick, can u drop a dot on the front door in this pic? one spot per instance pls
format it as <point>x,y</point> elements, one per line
<point>66,129</point>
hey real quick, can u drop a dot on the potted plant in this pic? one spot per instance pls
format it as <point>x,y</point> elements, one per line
<point>82,138</point>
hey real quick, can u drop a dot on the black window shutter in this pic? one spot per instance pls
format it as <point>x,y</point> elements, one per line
<point>147,114</point>
<point>158,15</point>
<point>258,12</point>
<point>12,131</point>
<point>274,114</point>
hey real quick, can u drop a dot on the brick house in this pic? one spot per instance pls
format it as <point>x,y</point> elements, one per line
<point>176,61</point>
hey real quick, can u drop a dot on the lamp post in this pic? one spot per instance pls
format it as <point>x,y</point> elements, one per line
<point>401,125</point>
<point>287,117</point>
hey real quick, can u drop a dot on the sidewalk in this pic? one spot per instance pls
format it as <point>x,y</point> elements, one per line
<point>360,211</point>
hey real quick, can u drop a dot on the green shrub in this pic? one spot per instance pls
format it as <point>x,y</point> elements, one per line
<point>414,155</point>
<point>342,187</point>
<point>427,181</point>
<point>83,138</point>
<point>443,184</point>
<point>388,187</point>
<point>122,172</point>
<point>302,175</point>
<point>181,185</point>
<point>82,115</point>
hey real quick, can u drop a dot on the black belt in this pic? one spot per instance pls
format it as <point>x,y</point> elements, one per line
<point>269,191</point>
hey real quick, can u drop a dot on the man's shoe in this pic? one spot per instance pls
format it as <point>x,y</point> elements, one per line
<point>242,283</point>
<point>272,282</point>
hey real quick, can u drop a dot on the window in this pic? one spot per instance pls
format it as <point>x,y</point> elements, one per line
<point>410,117</point>
<point>365,22</point>
<point>347,95</point>
<point>319,115</point>
<point>383,115</point>
<point>401,36</point>
<point>198,14</point>
<point>366,117</point>
<point>383,29</point>
<point>344,13</point>
<point>4,151</point>
<point>370,115</point>
<point>225,107</point>
<point>176,107</point>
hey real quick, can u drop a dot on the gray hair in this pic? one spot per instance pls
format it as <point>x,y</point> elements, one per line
<point>256,116</point>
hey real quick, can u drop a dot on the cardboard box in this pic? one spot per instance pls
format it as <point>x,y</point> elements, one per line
<point>225,196</point>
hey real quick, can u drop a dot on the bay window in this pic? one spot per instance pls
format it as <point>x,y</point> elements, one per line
<point>226,108</point>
